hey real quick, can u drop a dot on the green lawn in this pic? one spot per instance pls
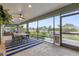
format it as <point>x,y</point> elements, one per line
<point>45,34</point>
<point>71,37</point>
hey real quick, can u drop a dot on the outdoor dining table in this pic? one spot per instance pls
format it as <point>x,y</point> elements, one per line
<point>21,34</point>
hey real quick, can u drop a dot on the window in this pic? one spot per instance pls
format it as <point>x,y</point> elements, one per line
<point>70,30</point>
<point>57,24</point>
<point>33,29</point>
<point>45,28</point>
<point>10,29</point>
<point>57,30</point>
<point>22,28</point>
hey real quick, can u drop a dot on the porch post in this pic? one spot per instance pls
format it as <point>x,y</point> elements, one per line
<point>18,28</point>
<point>27,27</point>
<point>0,33</point>
<point>2,42</point>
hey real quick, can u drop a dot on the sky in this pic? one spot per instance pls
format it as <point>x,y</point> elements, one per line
<point>71,20</point>
<point>66,20</point>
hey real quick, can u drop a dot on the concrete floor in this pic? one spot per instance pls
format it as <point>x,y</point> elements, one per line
<point>48,49</point>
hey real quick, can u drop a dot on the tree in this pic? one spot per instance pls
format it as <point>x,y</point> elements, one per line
<point>50,29</point>
<point>69,28</point>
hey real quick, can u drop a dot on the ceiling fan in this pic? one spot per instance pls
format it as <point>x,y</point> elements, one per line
<point>20,16</point>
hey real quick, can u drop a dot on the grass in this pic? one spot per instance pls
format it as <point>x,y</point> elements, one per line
<point>45,34</point>
<point>71,37</point>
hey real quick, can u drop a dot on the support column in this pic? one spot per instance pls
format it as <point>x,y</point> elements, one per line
<point>54,25</point>
<point>27,27</point>
<point>0,33</point>
<point>37,30</point>
<point>2,42</point>
<point>60,30</point>
<point>17,28</point>
<point>27,30</point>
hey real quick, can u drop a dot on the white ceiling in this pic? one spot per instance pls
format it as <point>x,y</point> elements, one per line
<point>29,13</point>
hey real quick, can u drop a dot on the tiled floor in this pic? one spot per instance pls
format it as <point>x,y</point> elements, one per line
<point>48,49</point>
<point>15,47</point>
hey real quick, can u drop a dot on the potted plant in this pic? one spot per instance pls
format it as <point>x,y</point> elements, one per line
<point>5,18</point>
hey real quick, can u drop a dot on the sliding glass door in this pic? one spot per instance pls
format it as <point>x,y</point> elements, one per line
<point>45,28</point>
<point>56,30</point>
<point>70,29</point>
